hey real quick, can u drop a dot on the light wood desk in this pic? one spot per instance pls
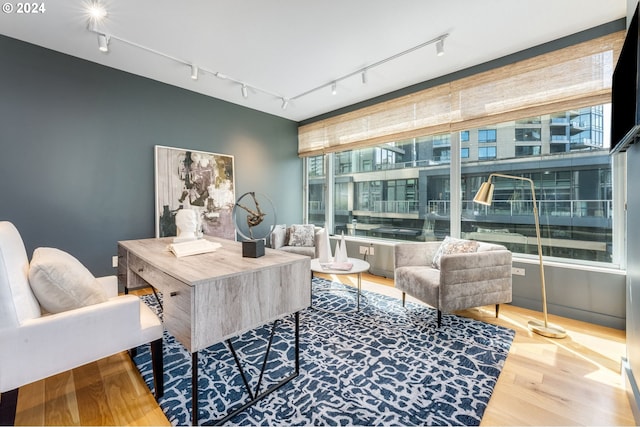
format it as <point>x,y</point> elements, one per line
<point>212,297</point>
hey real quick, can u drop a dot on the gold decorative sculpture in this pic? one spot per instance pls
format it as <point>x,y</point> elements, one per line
<point>253,246</point>
<point>254,217</point>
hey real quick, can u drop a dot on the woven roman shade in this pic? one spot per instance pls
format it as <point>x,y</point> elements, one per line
<point>573,77</point>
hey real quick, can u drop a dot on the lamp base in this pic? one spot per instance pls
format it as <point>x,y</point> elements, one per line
<point>549,331</point>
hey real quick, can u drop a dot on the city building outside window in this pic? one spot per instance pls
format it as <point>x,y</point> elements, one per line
<point>401,190</point>
<point>528,150</point>
<point>486,135</point>
<point>528,134</point>
<point>486,153</point>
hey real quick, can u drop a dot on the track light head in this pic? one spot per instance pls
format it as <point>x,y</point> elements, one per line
<point>285,103</point>
<point>194,72</point>
<point>334,88</point>
<point>96,14</point>
<point>364,76</point>
<point>96,11</point>
<point>103,42</point>
<point>245,91</point>
<point>440,47</point>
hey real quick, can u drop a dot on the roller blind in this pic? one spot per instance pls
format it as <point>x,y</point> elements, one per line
<point>573,77</point>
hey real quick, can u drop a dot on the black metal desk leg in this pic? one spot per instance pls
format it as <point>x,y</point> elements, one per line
<point>297,340</point>
<point>255,396</point>
<point>194,388</point>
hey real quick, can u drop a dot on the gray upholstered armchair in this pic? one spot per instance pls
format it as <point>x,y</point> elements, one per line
<point>463,280</point>
<point>298,239</point>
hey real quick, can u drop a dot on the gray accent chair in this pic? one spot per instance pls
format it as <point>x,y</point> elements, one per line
<point>279,240</point>
<point>464,280</point>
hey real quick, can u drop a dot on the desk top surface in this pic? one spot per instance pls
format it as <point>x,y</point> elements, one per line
<point>225,261</point>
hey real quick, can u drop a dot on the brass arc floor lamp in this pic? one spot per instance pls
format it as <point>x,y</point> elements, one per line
<point>484,196</point>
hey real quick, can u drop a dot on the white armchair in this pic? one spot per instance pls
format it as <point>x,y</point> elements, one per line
<point>35,345</point>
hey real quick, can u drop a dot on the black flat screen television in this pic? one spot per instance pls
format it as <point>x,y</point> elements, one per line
<point>625,95</point>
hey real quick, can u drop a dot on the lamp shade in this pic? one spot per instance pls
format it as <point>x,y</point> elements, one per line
<point>484,196</point>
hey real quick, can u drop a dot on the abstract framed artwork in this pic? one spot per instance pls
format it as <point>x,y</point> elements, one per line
<point>195,180</point>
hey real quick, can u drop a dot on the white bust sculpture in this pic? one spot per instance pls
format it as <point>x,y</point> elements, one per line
<point>187,224</point>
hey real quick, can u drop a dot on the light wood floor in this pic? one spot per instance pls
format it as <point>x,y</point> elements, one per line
<point>572,381</point>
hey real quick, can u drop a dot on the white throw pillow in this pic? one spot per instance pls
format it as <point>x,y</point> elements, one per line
<point>60,282</point>
<point>451,245</point>
<point>302,235</point>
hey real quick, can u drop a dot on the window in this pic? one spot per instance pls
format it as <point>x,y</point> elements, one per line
<point>442,154</point>
<point>393,205</point>
<point>485,153</point>
<point>399,196</point>
<point>441,140</point>
<point>343,162</point>
<point>571,169</point>
<point>368,193</point>
<point>487,135</point>
<point>528,150</point>
<point>528,134</point>
<point>341,194</point>
<point>315,189</point>
<point>385,158</point>
<point>410,198</point>
<point>316,166</point>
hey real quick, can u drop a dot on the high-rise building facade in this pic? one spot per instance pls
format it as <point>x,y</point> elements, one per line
<point>402,189</point>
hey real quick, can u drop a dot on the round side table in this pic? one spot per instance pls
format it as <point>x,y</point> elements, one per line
<point>358,267</point>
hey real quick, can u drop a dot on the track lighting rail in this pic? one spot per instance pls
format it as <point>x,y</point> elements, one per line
<point>105,39</point>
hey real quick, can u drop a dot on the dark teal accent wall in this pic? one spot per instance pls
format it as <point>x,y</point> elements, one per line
<point>77,144</point>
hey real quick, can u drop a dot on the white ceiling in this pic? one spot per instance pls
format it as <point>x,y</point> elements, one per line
<point>287,47</point>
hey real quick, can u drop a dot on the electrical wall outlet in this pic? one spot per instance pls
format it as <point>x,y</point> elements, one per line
<point>114,261</point>
<point>517,271</point>
<point>367,250</point>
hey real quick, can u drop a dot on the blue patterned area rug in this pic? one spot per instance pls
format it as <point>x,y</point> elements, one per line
<point>384,365</point>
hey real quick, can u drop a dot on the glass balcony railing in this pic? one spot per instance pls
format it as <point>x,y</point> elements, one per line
<point>559,208</point>
<point>316,206</point>
<point>396,206</point>
<point>439,207</point>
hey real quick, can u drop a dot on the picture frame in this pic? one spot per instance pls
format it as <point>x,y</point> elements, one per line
<point>198,180</point>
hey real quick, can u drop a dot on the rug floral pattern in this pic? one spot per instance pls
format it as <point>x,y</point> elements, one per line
<point>384,365</point>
